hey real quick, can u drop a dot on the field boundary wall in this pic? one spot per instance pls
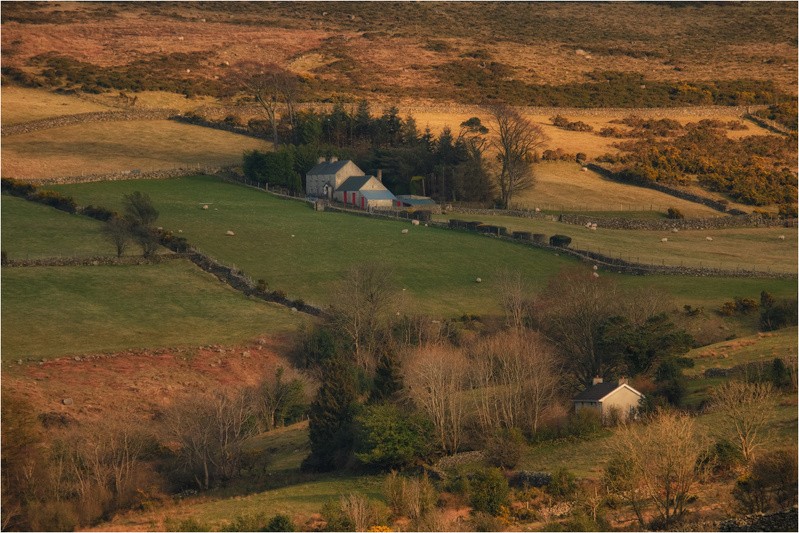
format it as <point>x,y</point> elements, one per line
<point>82,118</point>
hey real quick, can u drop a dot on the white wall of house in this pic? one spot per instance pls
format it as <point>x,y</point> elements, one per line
<point>315,183</point>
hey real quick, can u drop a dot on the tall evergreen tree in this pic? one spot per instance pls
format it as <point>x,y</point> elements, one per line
<point>330,421</point>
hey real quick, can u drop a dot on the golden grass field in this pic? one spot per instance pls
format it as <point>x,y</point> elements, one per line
<point>107,147</point>
<point>564,186</point>
<point>25,105</point>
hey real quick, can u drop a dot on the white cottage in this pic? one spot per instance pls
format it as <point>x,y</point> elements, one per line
<point>323,179</point>
<point>606,397</point>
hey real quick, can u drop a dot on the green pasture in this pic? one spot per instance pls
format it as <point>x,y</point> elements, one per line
<point>739,248</point>
<point>35,231</point>
<point>55,311</point>
<point>304,252</point>
<point>761,347</point>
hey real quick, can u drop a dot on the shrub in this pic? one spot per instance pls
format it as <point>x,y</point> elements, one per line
<point>560,241</point>
<point>54,199</point>
<point>674,213</point>
<point>17,188</point>
<point>563,484</point>
<point>411,497</point>
<point>485,522</point>
<point>581,157</point>
<point>280,522</point>
<point>722,457</point>
<point>780,314</point>
<point>389,438</point>
<point>583,423</point>
<point>488,491</point>
<point>98,213</point>
<point>505,449</point>
<point>539,238</point>
<point>770,485</point>
<point>524,479</point>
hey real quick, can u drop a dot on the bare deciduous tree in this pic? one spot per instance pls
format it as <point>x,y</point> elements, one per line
<point>365,303</point>
<point>271,87</point>
<point>278,396</point>
<point>571,311</point>
<point>210,431</point>
<point>516,140</point>
<point>748,407</point>
<point>515,378</point>
<point>514,299</point>
<point>657,463</point>
<point>436,377</point>
<point>117,232</point>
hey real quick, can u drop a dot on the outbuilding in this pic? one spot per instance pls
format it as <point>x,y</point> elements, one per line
<point>364,192</point>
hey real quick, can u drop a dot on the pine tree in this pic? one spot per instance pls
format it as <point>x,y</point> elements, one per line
<point>331,417</point>
<point>388,377</point>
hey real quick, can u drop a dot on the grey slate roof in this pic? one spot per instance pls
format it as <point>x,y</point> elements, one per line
<point>327,167</point>
<point>413,200</point>
<point>378,195</point>
<point>597,392</point>
<point>353,183</point>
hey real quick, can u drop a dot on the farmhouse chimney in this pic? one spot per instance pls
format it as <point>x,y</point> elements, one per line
<point>321,159</point>
<point>333,158</point>
<point>622,381</point>
<point>380,175</point>
<point>597,380</point>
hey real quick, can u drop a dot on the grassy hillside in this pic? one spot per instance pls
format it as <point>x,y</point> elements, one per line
<point>748,248</point>
<point>304,252</point>
<point>104,147</point>
<point>415,50</point>
<point>33,231</point>
<point>55,311</point>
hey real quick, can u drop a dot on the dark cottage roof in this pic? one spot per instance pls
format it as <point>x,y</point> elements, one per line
<point>378,195</point>
<point>327,167</point>
<point>597,392</point>
<point>353,183</point>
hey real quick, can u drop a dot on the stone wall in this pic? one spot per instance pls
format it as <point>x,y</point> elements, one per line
<point>87,261</point>
<point>164,174</point>
<point>80,118</point>
<point>712,223</point>
<point>677,193</point>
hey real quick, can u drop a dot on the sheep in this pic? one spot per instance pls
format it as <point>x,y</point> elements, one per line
<point>593,227</point>
<point>708,238</point>
<point>664,239</point>
<point>405,232</point>
<point>415,222</point>
<point>595,274</point>
<point>478,280</point>
<point>229,233</point>
<point>205,206</point>
<point>675,230</point>
<point>781,237</point>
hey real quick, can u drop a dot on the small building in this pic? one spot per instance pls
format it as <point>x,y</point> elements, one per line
<point>411,200</point>
<point>605,398</point>
<point>328,175</point>
<point>365,192</point>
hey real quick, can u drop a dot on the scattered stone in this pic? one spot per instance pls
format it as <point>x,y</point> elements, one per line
<point>293,309</point>
<point>245,354</point>
<point>596,267</point>
<point>67,401</point>
<point>77,358</point>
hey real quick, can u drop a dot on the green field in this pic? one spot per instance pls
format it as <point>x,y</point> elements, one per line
<point>758,249</point>
<point>54,311</point>
<point>304,252</point>
<point>34,231</point>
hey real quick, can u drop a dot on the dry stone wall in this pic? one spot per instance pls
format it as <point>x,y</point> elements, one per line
<point>81,118</point>
<point>712,223</point>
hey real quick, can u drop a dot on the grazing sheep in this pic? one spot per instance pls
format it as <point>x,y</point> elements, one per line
<point>708,238</point>
<point>415,222</point>
<point>675,230</point>
<point>781,237</point>
<point>478,280</point>
<point>593,226</point>
<point>205,206</point>
<point>405,232</point>
<point>596,267</point>
<point>664,239</point>
<point>595,274</point>
<point>229,233</point>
